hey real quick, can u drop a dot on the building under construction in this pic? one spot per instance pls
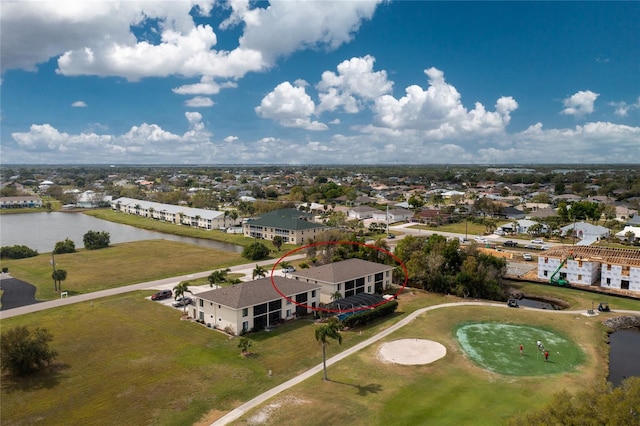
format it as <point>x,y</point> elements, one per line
<point>608,268</point>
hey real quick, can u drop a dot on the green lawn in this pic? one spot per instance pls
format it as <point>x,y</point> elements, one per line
<point>363,390</point>
<point>127,360</point>
<point>119,265</point>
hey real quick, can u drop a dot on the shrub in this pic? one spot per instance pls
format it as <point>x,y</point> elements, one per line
<point>66,246</point>
<point>17,252</point>
<point>25,351</point>
<point>370,315</point>
<point>94,240</point>
<point>255,251</point>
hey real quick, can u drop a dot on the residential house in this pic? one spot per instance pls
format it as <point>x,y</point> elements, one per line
<point>294,226</point>
<point>431,217</point>
<point>393,215</point>
<point>361,212</point>
<point>586,232</point>
<point>629,234</point>
<point>347,277</point>
<point>254,305</point>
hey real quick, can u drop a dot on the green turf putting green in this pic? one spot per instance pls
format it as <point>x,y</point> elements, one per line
<point>496,347</point>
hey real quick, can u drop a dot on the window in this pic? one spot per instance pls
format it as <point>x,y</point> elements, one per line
<point>387,273</point>
<point>369,289</point>
<point>608,281</point>
<point>245,312</point>
<point>545,273</point>
<point>609,267</point>
<point>201,303</point>
<point>245,326</point>
<point>579,277</point>
<point>313,293</point>
<point>338,287</point>
<point>624,284</point>
<point>369,278</point>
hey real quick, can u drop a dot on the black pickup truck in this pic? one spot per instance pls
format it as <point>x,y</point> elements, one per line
<point>510,244</point>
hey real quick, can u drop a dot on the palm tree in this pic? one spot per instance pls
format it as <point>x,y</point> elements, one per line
<point>259,271</point>
<point>285,265</point>
<point>218,277</point>
<point>58,276</point>
<point>179,291</point>
<point>330,330</point>
<point>336,296</point>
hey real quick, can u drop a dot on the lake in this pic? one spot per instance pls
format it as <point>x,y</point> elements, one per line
<point>41,231</point>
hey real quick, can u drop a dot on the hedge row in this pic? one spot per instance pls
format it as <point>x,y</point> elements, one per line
<point>370,315</point>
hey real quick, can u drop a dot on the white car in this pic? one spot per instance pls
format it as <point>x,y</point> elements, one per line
<point>527,256</point>
<point>481,239</point>
<point>538,241</point>
<point>288,269</point>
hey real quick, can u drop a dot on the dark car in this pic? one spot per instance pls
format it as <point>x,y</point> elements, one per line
<point>510,244</point>
<point>162,294</point>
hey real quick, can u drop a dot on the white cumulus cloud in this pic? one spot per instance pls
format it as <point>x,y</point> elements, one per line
<point>291,106</point>
<point>580,103</point>
<point>199,102</point>
<point>79,104</point>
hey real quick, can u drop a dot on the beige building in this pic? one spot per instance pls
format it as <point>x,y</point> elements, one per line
<point>347,277</point>
<point>254,305</point>
<point>295,227</point>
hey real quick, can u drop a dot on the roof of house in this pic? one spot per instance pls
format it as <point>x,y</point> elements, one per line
<point>586,228</point>
<point>364,209</point>
<point>291,219</point>
<point>256,292</point>
<point>341,271</point>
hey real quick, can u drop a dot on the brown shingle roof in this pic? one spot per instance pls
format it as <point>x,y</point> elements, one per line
<point>255,292</point>
<point>342,271</point>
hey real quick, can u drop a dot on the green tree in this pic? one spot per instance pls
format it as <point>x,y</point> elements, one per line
<point>217,277</point>
<point>277,242</point>
<point>336,295</point>
<point>330,330</point>
<point>94,240</point>
<point>244,344</point>
<point>259,271</point>
<point>25,351</point>
<point>179,291</point>
<point>58,276</point>
<point>416,201</point>
<point>255,251</point>
<point>66,246</point>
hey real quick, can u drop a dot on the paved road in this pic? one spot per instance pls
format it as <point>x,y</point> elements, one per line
<point>16,293</point>
<point>166,283</point>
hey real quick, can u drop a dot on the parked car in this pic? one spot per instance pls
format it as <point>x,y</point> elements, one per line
<point>544,247</point>
<point>537,241</point>
<point>182,301</point>
<point>480,239</point>
<point>391,236</point>
<point>527,256</point>
<point>162,294</point>
<point>289,269</point>
<point>512,303</point>
<point>510,244</point>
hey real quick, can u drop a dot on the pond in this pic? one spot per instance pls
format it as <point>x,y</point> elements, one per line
<point>41,231</point>
<point>623,356</point>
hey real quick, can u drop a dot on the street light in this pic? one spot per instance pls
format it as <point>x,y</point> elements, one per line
<point>53,275</point>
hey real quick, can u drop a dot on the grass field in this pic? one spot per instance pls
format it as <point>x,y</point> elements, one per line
<point>119,265</point>
<point>127,360</point>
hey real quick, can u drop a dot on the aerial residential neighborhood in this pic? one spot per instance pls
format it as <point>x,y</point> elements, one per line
<point>356,248</point>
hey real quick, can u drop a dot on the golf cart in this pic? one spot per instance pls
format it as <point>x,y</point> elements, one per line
<point>603,307</point>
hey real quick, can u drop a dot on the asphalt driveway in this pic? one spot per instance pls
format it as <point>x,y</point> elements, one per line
<point>16,293</point>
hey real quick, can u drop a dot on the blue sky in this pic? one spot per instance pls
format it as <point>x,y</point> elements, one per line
<point>320,82</point>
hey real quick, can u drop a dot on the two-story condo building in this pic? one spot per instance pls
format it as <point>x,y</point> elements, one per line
<point>347,277</point>
<point>254,305</point>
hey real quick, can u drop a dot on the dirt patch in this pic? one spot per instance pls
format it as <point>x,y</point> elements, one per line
<point>411,351</point>
<point>265,414</point>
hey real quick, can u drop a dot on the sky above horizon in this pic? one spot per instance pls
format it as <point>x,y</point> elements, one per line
<point>319,82</point>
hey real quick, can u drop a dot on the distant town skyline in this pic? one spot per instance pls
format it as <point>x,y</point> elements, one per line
<point>319,82</point>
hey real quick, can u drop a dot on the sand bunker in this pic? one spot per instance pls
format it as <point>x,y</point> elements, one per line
<point>412,351</point>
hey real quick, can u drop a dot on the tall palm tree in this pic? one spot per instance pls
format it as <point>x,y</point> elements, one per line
<point>179,291</point>
<point>330,330</point>
<point>336,296</point>
<point>218,277</point>
<point>259,271</point>
<point>58,276</point>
